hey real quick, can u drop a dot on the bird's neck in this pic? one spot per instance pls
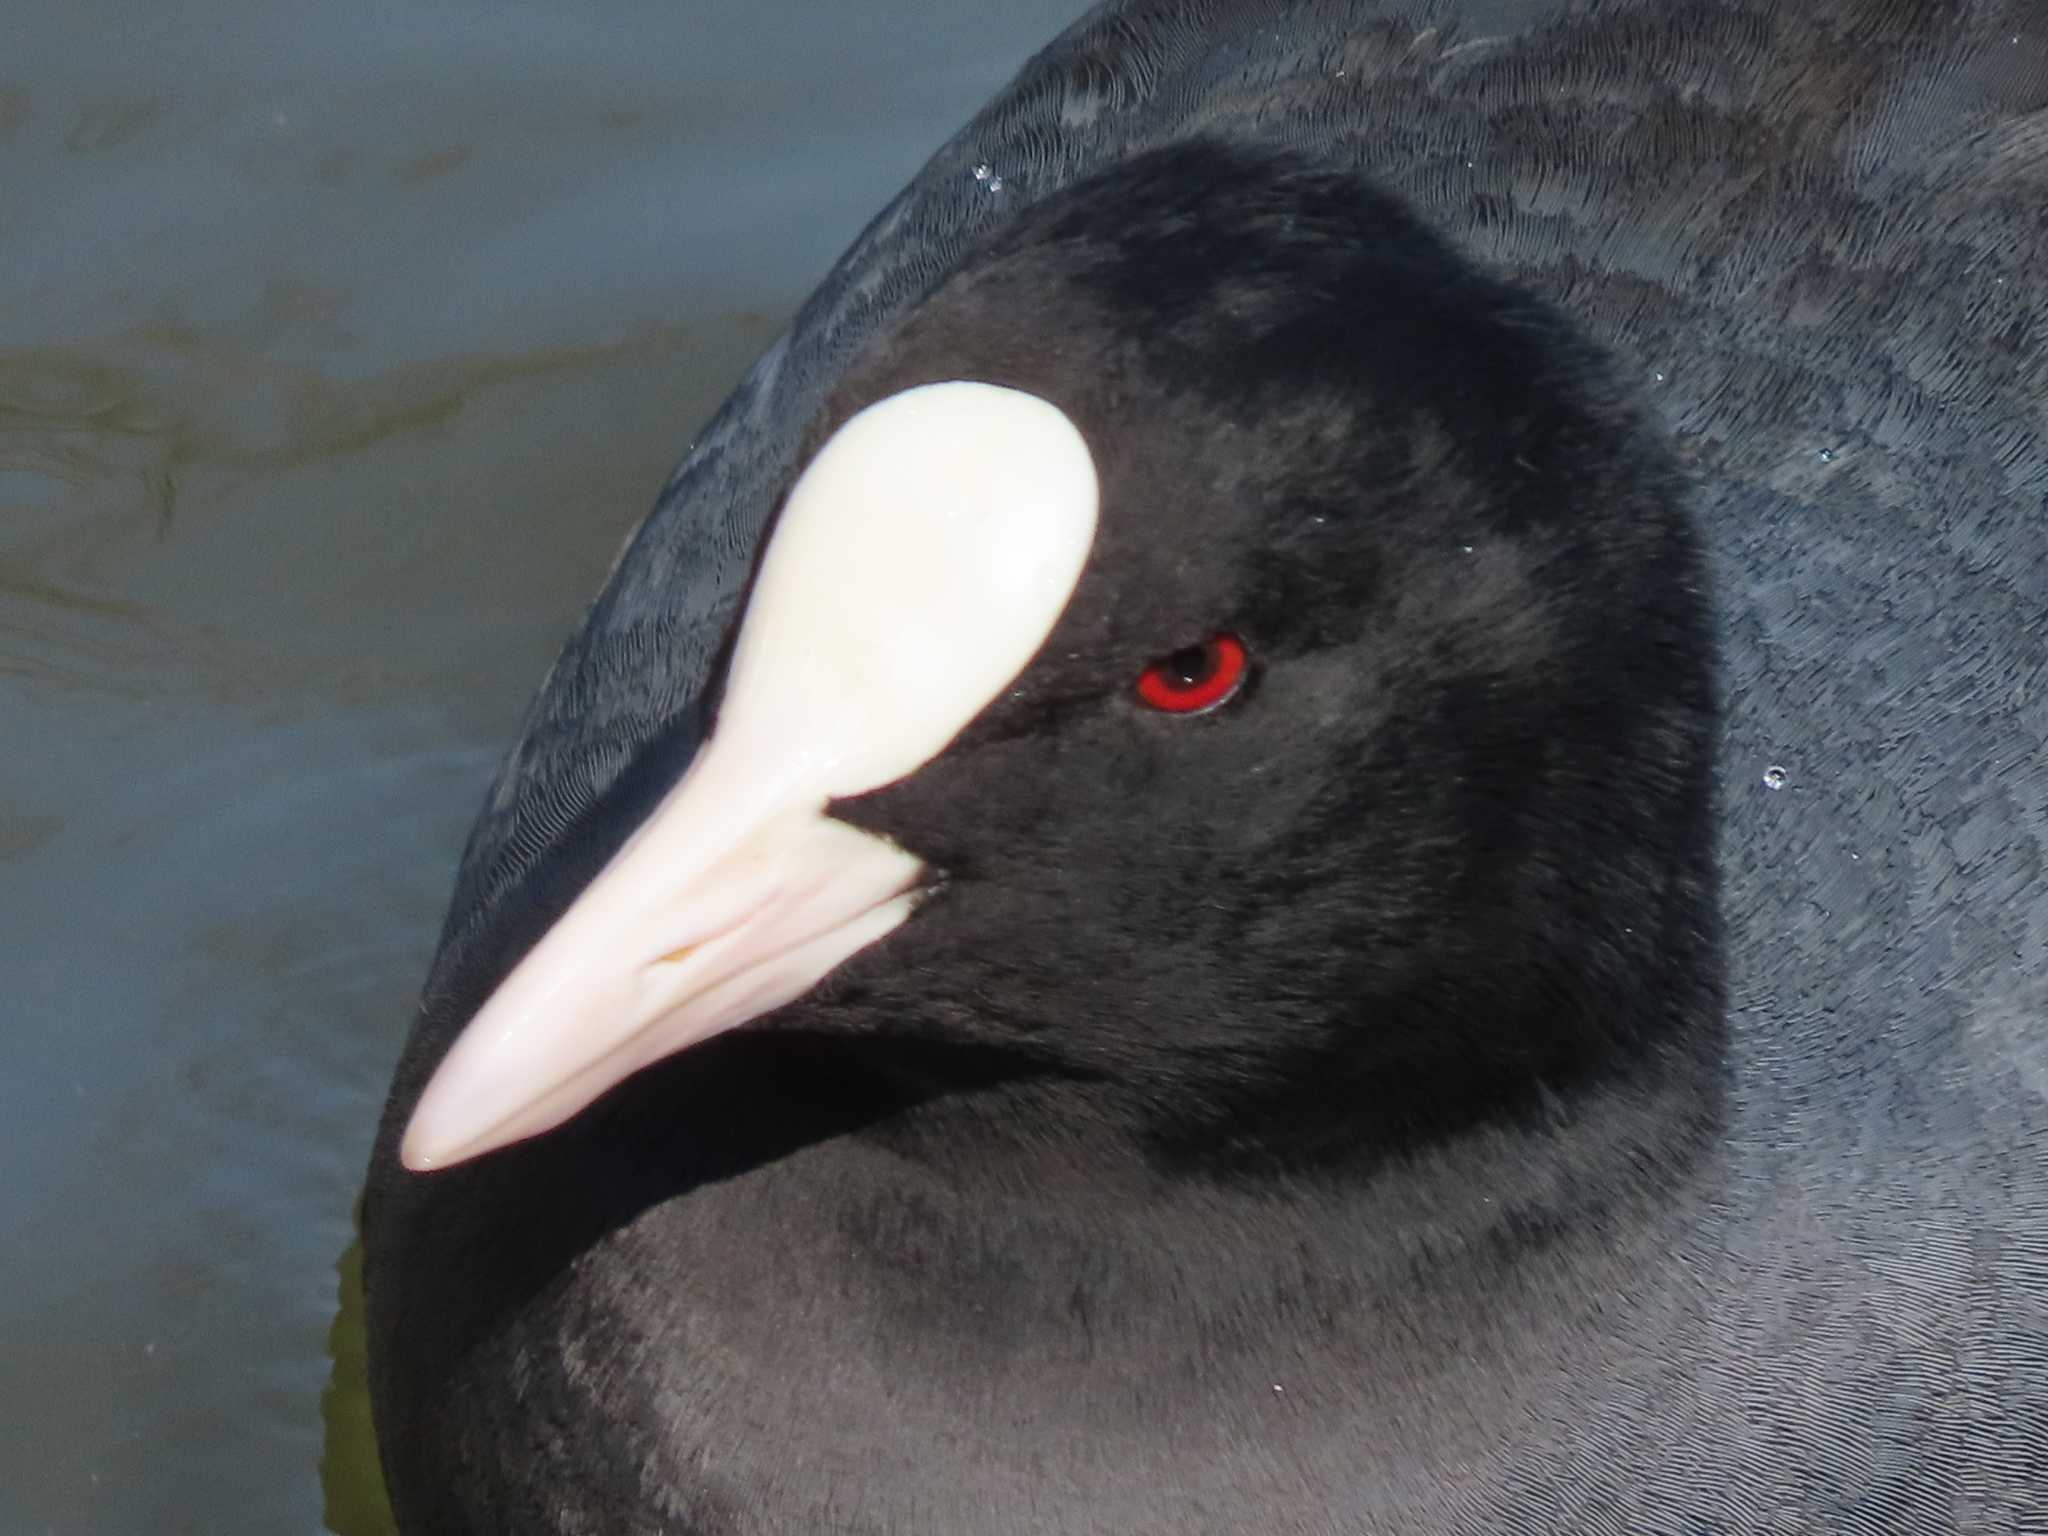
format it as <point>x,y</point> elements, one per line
<point>1035,1166</point>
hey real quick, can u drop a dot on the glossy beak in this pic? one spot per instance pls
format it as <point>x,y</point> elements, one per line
<point>919,564</point>
<point>719,909</point>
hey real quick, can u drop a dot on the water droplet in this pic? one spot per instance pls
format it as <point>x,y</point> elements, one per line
<point>1658,377</point>
<point>1774,777</point>
<point>1466,547</point>
<point>983,171</point>
<point>1827,455</point>
<point>1279,1389</point>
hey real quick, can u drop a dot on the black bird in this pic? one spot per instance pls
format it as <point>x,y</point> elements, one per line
<point>1340,778</point>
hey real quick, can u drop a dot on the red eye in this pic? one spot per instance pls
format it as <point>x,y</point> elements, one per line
<point>1195,679</point>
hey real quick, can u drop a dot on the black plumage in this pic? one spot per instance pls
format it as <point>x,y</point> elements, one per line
<point>1355,1110</point>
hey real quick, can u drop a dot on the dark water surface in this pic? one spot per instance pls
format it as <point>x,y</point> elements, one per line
<point>339,347</point>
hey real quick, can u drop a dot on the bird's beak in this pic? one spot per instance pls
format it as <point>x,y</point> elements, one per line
<point>919,564</point>
<point>724,904</point>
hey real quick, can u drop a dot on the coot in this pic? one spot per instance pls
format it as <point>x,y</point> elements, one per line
<point>1329,820</point>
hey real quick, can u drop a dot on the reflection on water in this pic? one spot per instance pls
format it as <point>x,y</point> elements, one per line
<point>141,478</point>
<point>351,1485</point>
<point>338,349</point>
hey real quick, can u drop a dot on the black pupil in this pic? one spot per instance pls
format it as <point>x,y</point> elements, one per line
<point>1186,668</point>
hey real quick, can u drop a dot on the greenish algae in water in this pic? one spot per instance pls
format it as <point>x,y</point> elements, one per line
<point>351,1483</point>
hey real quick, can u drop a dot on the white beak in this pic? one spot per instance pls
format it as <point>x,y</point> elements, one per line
<point>919,564</point>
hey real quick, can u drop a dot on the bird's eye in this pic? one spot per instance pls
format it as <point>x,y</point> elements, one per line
<point>1197,678</point>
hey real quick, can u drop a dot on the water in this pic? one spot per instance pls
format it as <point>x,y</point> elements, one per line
<point>339,347</point>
